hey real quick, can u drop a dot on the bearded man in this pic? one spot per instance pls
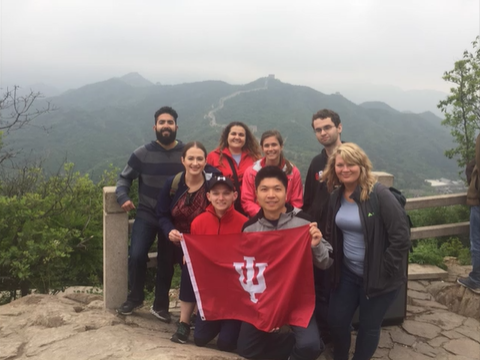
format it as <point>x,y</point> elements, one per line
<point>151,164</point>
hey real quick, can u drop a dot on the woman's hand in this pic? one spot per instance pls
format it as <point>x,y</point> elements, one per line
<point>175,236</point>
<point>315,234</point>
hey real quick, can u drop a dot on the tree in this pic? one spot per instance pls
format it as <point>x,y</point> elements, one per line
<point>16,112</point>
<point>462,106</point>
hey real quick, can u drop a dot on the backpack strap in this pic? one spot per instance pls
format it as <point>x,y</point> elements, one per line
<point>175,182</point>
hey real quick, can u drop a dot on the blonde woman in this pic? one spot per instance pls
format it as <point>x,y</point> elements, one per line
<point>370,236</point>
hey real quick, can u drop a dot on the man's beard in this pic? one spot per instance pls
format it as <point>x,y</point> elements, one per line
<point>166,139</point>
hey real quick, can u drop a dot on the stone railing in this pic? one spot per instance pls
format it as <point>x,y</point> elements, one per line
<point>116,230</point>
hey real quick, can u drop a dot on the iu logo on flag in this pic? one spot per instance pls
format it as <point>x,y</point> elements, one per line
<point>248,283</point>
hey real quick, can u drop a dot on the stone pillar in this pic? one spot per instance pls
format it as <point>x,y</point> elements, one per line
<point>115,250</point>
<point>384,178</point>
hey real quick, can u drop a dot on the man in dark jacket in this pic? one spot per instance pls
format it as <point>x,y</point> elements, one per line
<point>472,281</point>
<point>328,128</point>
<point>151,164</point>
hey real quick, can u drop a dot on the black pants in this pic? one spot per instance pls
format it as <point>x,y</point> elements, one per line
<point>300,344</point>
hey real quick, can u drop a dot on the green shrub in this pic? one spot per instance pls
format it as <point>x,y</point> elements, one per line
<point>427,252</point>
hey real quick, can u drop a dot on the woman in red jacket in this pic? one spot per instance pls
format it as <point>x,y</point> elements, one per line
<point>238,150</point>
<point>272,146</point>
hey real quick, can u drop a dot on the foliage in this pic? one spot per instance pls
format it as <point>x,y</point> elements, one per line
<point>427,252</point>
<point>462,106</point>
<point>432,251</point>
<point>51,230</point>
<point>440,215</point>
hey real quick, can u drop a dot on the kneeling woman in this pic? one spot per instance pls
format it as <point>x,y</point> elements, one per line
<point>370,235</point>
<point>272,147</point>
<point>183,198</point>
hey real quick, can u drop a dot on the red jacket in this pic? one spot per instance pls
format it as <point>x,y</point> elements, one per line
<point>245,162</point>
<point>208,223</point>
<point>249,200</point>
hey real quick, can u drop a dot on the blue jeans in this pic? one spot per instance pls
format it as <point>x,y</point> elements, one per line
<point>475,243</point>
<point>143,236</point>
<point>344,301</point>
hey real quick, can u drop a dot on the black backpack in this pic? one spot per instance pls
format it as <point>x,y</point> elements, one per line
<point>398,195</point>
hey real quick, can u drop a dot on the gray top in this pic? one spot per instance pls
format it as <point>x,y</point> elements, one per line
<point>151,164</point>
<point>348,221</point>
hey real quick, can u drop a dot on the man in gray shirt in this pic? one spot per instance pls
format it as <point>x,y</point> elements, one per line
<point>151,164</point>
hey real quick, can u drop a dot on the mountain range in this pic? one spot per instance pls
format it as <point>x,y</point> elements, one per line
<point>102,123</point>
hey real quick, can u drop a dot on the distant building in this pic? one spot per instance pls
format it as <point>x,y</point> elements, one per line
<point>447,186</point>
<point>271,76</point>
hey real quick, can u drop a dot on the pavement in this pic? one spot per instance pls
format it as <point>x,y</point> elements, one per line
<point>74,325</point>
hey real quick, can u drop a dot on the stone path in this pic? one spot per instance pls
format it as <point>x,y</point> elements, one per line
<point>73,326</point>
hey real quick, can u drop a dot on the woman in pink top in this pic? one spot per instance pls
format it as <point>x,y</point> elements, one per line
<point>272,146</point>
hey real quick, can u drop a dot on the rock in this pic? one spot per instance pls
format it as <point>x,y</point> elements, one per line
<point>471,333</point>
<point>445,320</point>
<point>418,295</point>
<point>460,300</point>
<point>428,304</point>
<point>400,337</point>
<point>404,353</point>
<point>9,348</point>
<point>415,285</point>
<point>426,349</point>
<point>438,341</point>
<point>463,347</point>
<point>421,329</point>
<point>472,323</point>
<point>385,340</point>
<point>436,286</point>
<point>381,353</point>
<point>452,334</point>
<point>415,309</point>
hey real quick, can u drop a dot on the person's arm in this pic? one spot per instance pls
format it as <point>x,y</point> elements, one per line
<point>321,249</point>
<point>398,230</point>
<point>124,182</point>
<point>248,197</point>
<point>296,199</point>
<point>163,208</point>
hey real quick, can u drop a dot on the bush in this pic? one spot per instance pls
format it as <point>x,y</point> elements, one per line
<point>427,252</point>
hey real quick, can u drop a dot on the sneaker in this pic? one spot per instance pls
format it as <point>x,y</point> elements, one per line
<point>128,307</point>
<point>469,284</point>
<point>181,336</point>
<point>162,315</point>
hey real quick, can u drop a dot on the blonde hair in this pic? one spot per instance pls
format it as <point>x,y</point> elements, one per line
<point>352,154</point>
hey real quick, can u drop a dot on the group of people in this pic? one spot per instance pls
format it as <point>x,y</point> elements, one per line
<point>359,232</point>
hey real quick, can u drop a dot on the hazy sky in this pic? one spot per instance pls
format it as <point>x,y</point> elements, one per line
<point>69,43</point>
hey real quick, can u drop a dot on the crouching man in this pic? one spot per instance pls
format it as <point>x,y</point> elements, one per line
<point>220,218</point>
<point>275,214</point>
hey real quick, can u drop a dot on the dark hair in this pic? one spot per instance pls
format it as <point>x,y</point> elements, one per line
<point>326,113</point>
<point>271,172</point>
<point>278,136</point>
<point>251,144</point>
<point>193,144</point>
<point>165,110</point>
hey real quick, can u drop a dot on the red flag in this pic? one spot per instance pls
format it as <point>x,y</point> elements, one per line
<point>263,278</point>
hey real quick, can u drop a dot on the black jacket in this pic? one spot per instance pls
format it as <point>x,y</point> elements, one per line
<point>387,240</point>
<point>316,196</point>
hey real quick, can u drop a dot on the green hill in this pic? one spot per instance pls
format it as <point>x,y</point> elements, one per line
<point>103,123</point>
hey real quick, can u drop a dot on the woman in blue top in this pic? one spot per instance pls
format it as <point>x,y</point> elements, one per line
<point>370,236</point>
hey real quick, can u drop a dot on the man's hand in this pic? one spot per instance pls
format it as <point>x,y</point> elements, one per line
<point>175,236</point>
<point>315,233</point>
<point>127,206</point>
